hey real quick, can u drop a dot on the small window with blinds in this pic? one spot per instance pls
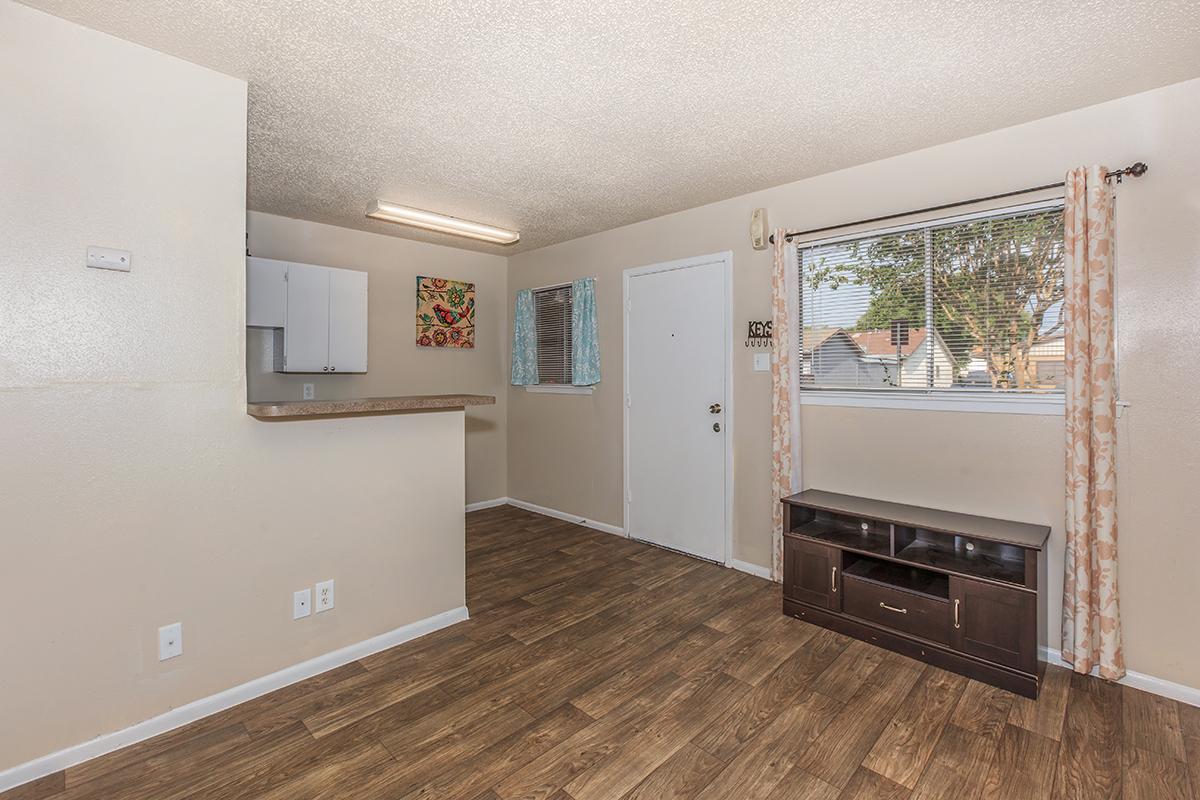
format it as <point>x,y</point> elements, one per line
<point>552,310</point>
<point>962,306</point>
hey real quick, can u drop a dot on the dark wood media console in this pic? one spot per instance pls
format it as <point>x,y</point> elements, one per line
<point>962,592</point>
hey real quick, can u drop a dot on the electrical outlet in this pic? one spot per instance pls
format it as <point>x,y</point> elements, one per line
<point>308,391</point>
<point>170,641</point>
<point>301,603</point>
<point>324,596</point>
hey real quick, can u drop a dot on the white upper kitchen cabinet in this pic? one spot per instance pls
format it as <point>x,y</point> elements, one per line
<point>347,321</point>
<point>266,293</point>
<point>306,333</point>
<point>319,313</point>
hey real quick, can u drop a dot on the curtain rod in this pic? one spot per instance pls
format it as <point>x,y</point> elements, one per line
<point>1133,170</point>
<point>557,285</point>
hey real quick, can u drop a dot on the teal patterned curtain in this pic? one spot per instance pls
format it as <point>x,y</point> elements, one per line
<point>585,345</point>
<point>524,347</point>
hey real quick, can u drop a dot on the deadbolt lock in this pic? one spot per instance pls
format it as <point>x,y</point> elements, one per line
<point>717,427</point>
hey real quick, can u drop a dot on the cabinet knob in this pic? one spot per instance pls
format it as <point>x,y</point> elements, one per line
<point>333,369</point>
<point>326,369</point>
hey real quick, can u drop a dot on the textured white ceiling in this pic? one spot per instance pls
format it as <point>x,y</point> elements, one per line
<point>564,117</point>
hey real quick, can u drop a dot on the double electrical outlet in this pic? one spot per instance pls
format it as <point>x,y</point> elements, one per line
<point>302,600</point>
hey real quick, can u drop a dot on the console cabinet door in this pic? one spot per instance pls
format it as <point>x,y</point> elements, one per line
<point>994,623</point>
<point>812,573</point>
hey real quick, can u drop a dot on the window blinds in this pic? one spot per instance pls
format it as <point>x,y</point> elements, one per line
<point>969,304</point>
<point>552,308</point>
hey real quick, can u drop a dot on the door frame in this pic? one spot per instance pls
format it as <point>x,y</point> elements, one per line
<point>725,259</point>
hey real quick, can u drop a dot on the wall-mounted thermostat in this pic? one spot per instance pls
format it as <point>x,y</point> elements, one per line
<point>107,258</point>
<point>758,229</point>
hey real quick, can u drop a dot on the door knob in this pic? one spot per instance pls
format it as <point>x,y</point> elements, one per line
<point>715,408</point>
<point>717,427</point>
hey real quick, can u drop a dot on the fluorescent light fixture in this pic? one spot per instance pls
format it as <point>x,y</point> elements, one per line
<point>390,212</point>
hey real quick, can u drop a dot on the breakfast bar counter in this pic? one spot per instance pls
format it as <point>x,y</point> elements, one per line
<point>299,409</point>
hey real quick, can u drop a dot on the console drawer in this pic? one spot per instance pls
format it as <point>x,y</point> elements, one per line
<point>911,613</point>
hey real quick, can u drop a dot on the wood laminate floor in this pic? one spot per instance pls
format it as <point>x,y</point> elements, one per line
<point>596,667</point>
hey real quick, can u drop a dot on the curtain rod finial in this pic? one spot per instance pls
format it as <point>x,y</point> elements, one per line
<point>1135,170</point>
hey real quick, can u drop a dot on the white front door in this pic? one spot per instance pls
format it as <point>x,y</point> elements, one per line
<point>677,335</point>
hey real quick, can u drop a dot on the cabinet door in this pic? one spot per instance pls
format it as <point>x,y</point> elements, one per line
<point>266,293</point>
<point>812,573</point>
<point>347,321</point>
<point>994,623</point>
<point>306,337</point>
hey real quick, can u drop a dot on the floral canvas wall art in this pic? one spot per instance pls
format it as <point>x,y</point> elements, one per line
<point>445,313</point>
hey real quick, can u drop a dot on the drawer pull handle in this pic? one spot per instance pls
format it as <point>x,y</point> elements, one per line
<point>833,580</point>
<point>956,625</point>
<point>893,608</point>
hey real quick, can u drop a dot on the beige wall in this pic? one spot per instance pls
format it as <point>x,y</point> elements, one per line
<point>136,490</point>
<point>565,452</point>
<point>396,364</point>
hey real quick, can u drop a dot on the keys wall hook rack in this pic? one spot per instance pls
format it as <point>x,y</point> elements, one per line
<point>758,333</point>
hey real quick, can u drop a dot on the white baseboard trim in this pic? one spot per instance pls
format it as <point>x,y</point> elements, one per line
<point>733,563</point>
<point>1139,680</point>
<point>206,706</point>
<point>750,569</point>
<point>578,520</point>
<point>482,504</point>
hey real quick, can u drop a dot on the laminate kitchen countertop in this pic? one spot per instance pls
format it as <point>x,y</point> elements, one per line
<point>296,409</point>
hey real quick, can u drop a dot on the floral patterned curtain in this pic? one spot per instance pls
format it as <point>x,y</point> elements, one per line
<point>785,398</point>
<point>1091,631</point>
<point>524,345</point>
<point>585,344</point>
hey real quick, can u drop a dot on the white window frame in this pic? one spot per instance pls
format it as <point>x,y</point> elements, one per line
<point>558,388</point>
<point>926,399</point>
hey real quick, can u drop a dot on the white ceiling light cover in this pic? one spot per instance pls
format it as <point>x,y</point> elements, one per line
<point>432,221</point>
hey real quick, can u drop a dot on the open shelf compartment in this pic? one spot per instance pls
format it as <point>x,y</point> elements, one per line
<point>843,530</point>
<point>955,553</point>
<point>924,582</point>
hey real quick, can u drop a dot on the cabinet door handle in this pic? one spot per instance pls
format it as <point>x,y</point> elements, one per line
<point>893,608</point>
<point>956,604</point>
<point>833,579</point>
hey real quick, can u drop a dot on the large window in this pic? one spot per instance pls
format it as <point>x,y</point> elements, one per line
<point>552,309</point>
<point>963,306</point>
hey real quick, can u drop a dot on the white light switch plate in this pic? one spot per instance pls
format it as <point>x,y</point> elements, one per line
<point>170,641</point>
<point>108,258</point>
<point>324,596</point>
<point>762,362</point>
